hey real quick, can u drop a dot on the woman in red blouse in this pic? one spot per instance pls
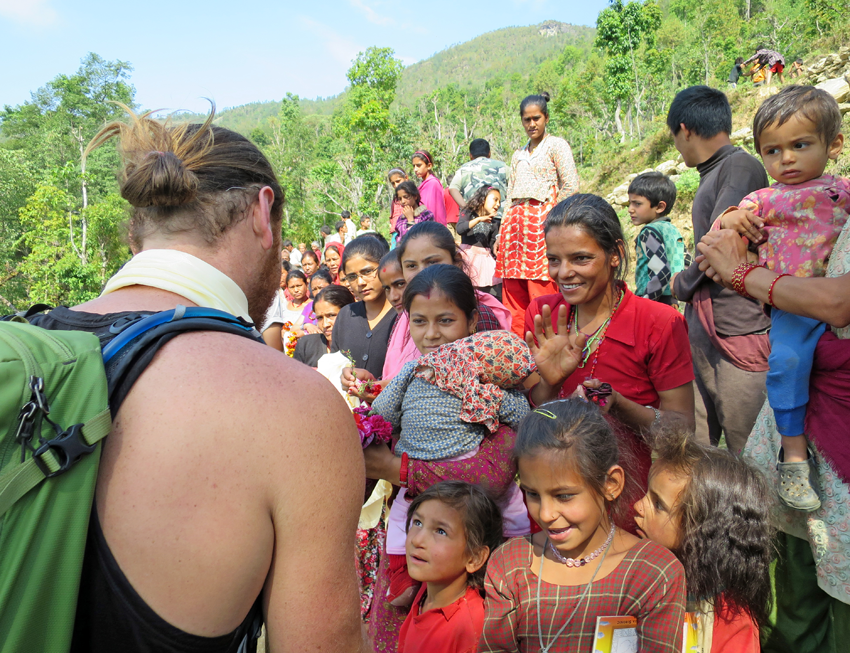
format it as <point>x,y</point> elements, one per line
<point>596,339</point>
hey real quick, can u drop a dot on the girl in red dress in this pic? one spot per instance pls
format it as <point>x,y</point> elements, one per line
<point>452,528</point>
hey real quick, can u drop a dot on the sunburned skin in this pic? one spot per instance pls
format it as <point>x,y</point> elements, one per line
<point>196,526</point>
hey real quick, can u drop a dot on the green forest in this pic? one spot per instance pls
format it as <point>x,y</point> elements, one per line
<point>62,220</point>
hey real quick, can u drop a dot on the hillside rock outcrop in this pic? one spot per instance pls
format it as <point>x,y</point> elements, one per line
<point>831,66</point>
<point>620,195</point>
<point>837,88</point>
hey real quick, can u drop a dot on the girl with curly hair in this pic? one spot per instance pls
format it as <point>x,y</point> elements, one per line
<point>711,509</point>
<point>478,226</point>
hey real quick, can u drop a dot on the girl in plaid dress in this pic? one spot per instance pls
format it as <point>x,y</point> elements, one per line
<point>544,592</point>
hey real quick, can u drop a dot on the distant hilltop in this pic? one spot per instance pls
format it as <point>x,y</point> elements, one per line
<point>490,57</point>
<point>497,57</point>
<point>553,28</point>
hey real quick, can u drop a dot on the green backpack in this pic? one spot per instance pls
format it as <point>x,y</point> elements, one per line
<point>55,389</point>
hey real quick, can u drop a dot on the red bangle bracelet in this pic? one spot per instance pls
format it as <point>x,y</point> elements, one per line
<point>738,277</point>
<point>770,292</point>
<point>402,472</point>
<point>528,396</point>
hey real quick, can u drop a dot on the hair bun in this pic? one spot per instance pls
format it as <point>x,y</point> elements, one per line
<point>545,95</point>
<point>159,179</point>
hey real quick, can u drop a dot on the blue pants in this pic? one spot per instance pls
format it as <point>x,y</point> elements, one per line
<point>792,349</point>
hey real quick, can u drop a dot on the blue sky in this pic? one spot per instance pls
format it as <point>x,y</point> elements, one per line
<point>235,53</point>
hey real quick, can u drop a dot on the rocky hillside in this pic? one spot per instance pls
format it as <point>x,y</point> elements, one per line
<point>830,73</point>
<point>833,66</point>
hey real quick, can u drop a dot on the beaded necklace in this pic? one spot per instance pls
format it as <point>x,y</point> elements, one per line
<point>597,336</point>
<point>581,562</point>
<point>545,648</point>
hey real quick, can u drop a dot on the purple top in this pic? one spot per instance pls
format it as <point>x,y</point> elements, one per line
<point>421,214</point>
<point>431,194</point>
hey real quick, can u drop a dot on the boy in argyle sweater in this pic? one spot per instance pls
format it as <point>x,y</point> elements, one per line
<point>660,247</point>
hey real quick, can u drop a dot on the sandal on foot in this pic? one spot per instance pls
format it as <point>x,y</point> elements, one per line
<point>798,484</point>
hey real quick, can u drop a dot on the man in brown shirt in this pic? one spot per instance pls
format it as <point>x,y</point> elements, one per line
<point>728,333</point>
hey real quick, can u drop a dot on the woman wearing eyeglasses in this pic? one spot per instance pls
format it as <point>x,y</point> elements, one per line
<point>362,329</point>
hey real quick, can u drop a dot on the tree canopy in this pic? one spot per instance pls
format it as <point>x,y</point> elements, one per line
<point>61,217</point>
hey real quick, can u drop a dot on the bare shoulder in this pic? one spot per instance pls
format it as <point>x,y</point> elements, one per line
<point>243,367</point>
<point>215,463</point>
<point>255,398</point>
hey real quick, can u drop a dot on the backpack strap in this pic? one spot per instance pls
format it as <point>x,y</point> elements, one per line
<point>24,316</point>
<point>129,353</point>
<point>125,357</point>
<point>53,458</point>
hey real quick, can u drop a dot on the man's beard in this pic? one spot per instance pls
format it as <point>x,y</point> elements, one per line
<point>264,285</point>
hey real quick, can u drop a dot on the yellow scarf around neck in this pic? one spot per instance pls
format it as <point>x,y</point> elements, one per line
<point>184,275</point>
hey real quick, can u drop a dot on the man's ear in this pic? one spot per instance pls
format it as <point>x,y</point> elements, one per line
<point>261,217</point>
<point>660,207</point>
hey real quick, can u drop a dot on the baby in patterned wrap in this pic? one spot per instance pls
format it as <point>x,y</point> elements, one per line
<point>445,403</point>
<point>797,222</point>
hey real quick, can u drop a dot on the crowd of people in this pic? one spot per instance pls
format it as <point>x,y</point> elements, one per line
<point>543,449</point>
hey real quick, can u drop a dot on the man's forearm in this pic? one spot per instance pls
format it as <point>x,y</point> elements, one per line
<point>457,197</point>
<point>685,282</point>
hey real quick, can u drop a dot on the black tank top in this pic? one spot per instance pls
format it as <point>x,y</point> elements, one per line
<point>111,616</point>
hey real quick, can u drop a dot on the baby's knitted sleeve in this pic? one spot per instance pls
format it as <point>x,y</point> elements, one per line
<point>514,408</point>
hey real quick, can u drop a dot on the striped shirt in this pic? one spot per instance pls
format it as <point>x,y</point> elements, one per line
<point>649,584</point>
